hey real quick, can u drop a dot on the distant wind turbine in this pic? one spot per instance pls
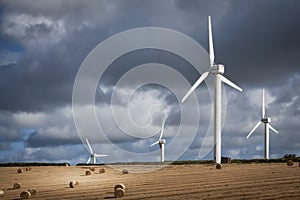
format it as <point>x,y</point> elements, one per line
<point>93,155</point>
<point>266,121</point>
<point>161,142</point>
<point>215,70</point>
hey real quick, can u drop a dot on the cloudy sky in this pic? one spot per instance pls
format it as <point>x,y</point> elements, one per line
<point>43,44</point>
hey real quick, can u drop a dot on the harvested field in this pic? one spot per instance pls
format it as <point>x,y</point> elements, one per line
<point>233,181</point>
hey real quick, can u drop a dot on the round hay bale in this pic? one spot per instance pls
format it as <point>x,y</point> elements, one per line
<point>74,184</point>
<point>92,169</point>
<point>218,166</point>
<point>25,195</point>
<point>1,193</point>
<point>20,170</point>
<point>88,173</point>
<point>28,169</point>
<point>17,185</point>
<point>119,193</point>
<point>32,192</point>
<point>290,163</point>
<point>120,185</point>
<point>101,171</point>
<point>125,171</point>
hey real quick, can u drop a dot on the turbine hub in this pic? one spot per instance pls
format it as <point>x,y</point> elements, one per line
<point>162,141</point>
<point>217,69</point>
<point>266,120</point>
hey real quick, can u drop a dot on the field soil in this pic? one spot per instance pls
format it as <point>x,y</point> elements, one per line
<point>233,181</point>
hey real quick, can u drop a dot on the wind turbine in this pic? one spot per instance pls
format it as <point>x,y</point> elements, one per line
<point>93,155</point>
<point>266,121</point>
<point>215,70</point>
<point>161,142</point>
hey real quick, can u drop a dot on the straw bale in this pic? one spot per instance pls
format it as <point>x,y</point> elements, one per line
<point>25,195</point>
<point>88,173</point>
<point>17,185</point>
<point>218,166</point>
<point>119,193</point>
<point>120,185</point>
<point>74,184</point>
<point>290,163</point>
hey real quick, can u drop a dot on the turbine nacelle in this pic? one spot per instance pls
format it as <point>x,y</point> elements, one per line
<point>217,69</point>
<point>161,142</point>
<point>266,120</point>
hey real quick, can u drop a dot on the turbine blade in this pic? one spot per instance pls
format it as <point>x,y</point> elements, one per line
<point>273,129</point>
<point>228,82</point>
<point>154,143</point>
<point>196,84</point>
<point>88,161</point>
<point>211,43</point>
<point>263,109</point>
<point>162,129</point>
<point>255,127</point>
<point>100,155</point>
<point>90,148</point>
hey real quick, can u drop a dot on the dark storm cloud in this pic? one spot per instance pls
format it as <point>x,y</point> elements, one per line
<point>265,46</point>
<point>30,89</point>
<point>257,40</point>
<point>56,43</point>
<point>54,47</point>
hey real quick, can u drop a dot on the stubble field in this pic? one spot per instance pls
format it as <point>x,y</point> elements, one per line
<point>233,181</point>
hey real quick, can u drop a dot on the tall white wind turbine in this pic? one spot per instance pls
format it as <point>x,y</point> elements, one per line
<point>266,121</point>
<point>215,70</point>
<point>93,155</point>
<point>161,142</point>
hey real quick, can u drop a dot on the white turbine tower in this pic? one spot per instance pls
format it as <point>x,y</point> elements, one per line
<point>266,121</point>
<point>93,155</point>
<point>215,70</point>
<point>161,142</point>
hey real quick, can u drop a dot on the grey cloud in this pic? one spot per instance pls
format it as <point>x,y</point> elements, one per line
<point>41,139</point>
<point>64,153</point>
<point>56,8</point>
<point>8,131</point>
